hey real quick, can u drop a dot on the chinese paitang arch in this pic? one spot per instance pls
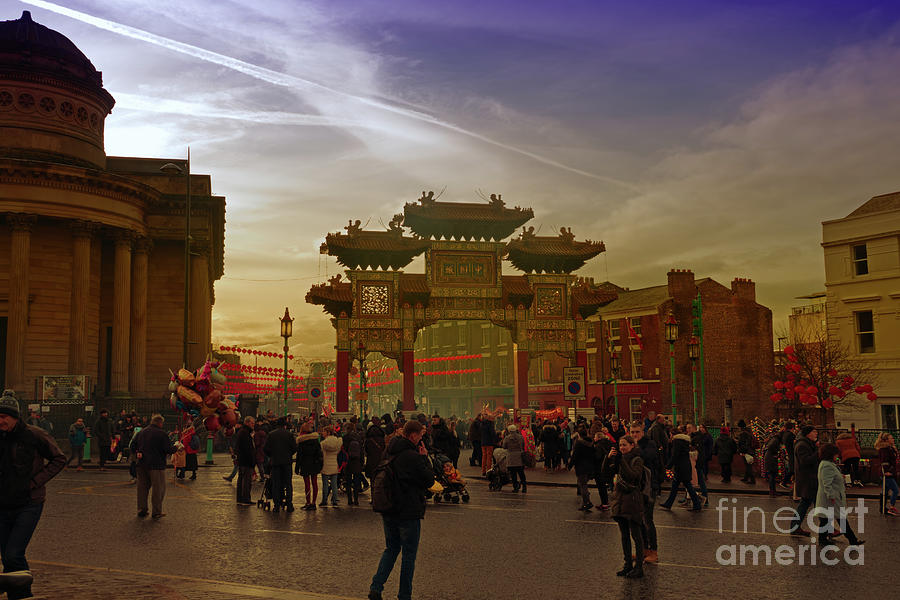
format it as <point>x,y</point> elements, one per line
<point>381,308</point>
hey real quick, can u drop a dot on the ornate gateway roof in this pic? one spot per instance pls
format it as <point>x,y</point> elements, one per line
<point>464,220</point>
<point>358,249</point>
<point>335,296</point>
<point>559,254</point>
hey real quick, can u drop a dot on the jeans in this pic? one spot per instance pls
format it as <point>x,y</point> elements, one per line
<point>399,535</point>
<point>104,454</point>
<point>16,527</point>
<point>234,471</point>
<point>648,527</point>
<point>475,459</point>
<point>329,484</point>
<point>77,453</point>
<point>690,489</point>
<point>245,478</point>
<point>701,479</point>
<point>802,508</point>
<point>890,486</point>
<point>353,483</point>
<point>631,530</point>
<point>518,477</point>
<point>583,488</point>
<point>282,486</point>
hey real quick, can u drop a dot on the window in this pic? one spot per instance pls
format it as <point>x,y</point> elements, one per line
<point>636,325</point>
<point>591,331</point>
<point>463,334</point>
<point>488,374</point>
<point>592,368</point>
<point>860,260</point>
<point>478,376</point>
<point>634,405</point>
<point>889,416</point>
<point>504,370</point>
<point>637,362</point>
<point>865,331</point>
<point>485,337</point>
<point>614,328</point>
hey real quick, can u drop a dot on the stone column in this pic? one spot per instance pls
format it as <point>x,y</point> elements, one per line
<point>139,274</point>
<point>121,313</point>
<point>342,381</point>
<point>409,380</point>
<point>199,334</point>
<point>17,323</point>
<point>82,234</point>
<point>522,363</point>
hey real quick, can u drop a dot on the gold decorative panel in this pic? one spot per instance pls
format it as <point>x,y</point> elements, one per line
<point>375,299</point>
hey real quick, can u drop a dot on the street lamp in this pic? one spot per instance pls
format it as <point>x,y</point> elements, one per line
<point>671,333</point>
<point>614,368</point>
<point>694,354</point>
<point>287,329</point>
<point>173,169</point>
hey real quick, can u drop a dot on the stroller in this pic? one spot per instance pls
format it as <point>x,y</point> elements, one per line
<point>453,490</point>
<point>266,497</point>
<point>498,475</point>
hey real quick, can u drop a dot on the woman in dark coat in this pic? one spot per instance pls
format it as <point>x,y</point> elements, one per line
<point>309,463</point>
<point>583,461</point>
<point>352,472</point>
<point>627,503</point>
<point>680,462</point>
<point>455,443</point>
<point>374,446</point>
<point>725,449</point>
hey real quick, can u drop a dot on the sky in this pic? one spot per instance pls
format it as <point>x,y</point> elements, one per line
<point>713,135</point>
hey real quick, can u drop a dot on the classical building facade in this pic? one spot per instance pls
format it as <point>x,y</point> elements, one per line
<point>92,256</point>
<point>862,282</point>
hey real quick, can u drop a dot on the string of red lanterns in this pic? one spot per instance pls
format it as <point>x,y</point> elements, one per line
<point>443,358</point>
<point>451,372</point>
<point>250,351</point>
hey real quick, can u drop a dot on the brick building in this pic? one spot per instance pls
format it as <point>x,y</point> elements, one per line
<point>92,253</point>
<point>738,358</point>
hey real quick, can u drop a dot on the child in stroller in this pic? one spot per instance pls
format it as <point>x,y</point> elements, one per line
<point>498,475</point>
<point>454,486</point>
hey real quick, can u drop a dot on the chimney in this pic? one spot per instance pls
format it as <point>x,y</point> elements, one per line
<point>681,284</point>
<point>744,289</point>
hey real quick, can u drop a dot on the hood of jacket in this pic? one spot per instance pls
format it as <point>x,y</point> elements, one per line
<point>683,437</point>
<point>331,443</point>
<point>307,436</point>
<point>400,444</point>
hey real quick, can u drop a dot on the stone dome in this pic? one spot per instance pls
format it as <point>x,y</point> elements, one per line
<point>52,102</point>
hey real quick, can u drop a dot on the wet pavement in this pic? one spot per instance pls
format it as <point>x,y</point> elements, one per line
<point>502,545</point>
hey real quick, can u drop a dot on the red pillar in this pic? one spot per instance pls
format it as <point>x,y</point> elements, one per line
<point>341,382</point>
<point>581,361</point>
<point>409,380</point>
<point>522,379</point>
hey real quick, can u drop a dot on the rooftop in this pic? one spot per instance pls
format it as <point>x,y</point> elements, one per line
<point>877,204</point>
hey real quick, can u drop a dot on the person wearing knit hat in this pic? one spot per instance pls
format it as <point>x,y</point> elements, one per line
<point>806,475</point>
<point>30,458</point>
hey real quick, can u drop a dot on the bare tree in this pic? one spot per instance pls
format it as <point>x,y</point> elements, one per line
<point>829,368</point>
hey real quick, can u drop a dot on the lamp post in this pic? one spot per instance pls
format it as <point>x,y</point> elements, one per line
<point>363,376</point>
<point>614,368</point>
<point>173,169</point>
<point>287,328</point>
<point>694,354</point>
<point>671,334</point>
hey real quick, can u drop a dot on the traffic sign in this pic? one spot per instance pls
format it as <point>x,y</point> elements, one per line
<point>316,389</point>
<point>573,383</point>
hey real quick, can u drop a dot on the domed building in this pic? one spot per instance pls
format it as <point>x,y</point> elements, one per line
<point>92,252</point>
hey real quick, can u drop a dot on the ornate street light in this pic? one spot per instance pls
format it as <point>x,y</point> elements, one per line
<point>671,333</point>
<point>614,368</point>
<point>694,354</point>
<point>287,329</point>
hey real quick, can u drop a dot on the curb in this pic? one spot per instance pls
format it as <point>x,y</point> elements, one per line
<point>712,490</point>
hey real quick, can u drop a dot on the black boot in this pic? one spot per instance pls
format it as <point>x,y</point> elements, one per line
<point>637,572</point>
<point>626,569</point>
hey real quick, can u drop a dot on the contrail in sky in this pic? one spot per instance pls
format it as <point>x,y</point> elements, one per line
<point>285,80</point>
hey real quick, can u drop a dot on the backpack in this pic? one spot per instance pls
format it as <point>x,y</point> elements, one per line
<point>354,449</point>
<point>385,489</point>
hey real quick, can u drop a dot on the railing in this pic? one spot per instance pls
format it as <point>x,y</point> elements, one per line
<point>865,437</point>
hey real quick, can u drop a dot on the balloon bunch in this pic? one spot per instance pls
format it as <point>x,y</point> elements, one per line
<point>831,387</point>
<point>200,395</point>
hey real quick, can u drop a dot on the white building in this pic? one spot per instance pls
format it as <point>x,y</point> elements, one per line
<point>862,282</point>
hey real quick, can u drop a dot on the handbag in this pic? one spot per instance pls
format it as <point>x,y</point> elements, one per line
<point>749,458</point>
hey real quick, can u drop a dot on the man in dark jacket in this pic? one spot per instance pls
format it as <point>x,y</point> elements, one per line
<point>280,448</point>
<point>29,458</point>
<point>152,446</point>
<point>475,440</point>
<point>246,460</point>
<point>787,440</point>
<point>403,526</point>
<point>680,461</point>
<point>583,460</point>
<point>488,440</point>
<point>660,437</point>
<point>747,447</point>
<point>374,446</point>
<point>650,456</point>
<point>806,463</point>
<point>725,448</point>
<point>441,438</point>
<point>102,432</point>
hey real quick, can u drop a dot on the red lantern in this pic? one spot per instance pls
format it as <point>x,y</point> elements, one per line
<point>792,357</point>
<point>788,349</point>
<point>779,385</point>
<point>845,386</point>
<point>860,389</point>
<point>834,390</point>
<point>840,393</point>
<point>827,403</point>
<point>872,396</point>
<point>804,399</point>
<point>867,388</point>
<point>832,373</point>
<point>812,390</point>
<point>799,389</point>
<point>776,397</point>
<point>849,379</point>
